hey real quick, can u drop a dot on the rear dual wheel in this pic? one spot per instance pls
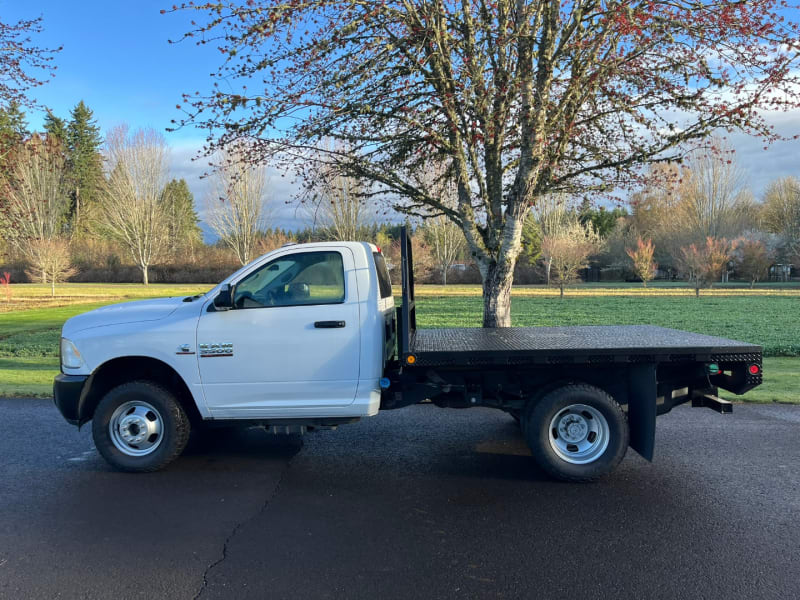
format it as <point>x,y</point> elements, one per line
<point>576,432</point>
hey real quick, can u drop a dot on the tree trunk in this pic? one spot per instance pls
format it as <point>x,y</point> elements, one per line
<point>497,295</point>
<point>53,287</point>
<point>549,264</point>
<point>697,291</point>
<point>76,224</point>
<point>145,279</point>
<point>444,275</point>
<point>561,290</point>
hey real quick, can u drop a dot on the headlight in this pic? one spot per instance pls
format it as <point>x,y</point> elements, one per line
<point>70,357</point>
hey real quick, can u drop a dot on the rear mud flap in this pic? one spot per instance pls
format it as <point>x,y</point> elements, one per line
<point>642,409</point>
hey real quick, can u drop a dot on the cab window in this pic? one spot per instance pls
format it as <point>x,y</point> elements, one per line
<point>384,283</point>
<point>294,280</point>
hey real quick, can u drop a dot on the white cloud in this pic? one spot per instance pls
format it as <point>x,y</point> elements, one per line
<point>780,159</point>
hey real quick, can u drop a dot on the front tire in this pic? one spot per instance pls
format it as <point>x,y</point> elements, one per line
<point>576,433</point>
<point>140,427</point>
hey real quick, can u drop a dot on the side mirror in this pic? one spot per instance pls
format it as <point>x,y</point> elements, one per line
<point>224,300</point>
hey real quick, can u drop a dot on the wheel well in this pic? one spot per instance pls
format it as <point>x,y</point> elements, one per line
<point>615,391</point>
<point>130,368</point>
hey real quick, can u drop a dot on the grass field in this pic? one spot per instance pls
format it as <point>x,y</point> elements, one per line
<point>27,296</point>
<point>770,321</point>
<point>29,336</point>
<point>665,288</point>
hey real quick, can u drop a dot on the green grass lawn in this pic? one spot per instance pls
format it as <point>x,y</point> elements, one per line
<point>28,377</point>
<point>770,321</point>
<point>781,382</point>
<point>29,338</point>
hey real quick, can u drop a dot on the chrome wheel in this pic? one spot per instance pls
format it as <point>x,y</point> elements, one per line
<point>136,428</point>
<point>579,434</point>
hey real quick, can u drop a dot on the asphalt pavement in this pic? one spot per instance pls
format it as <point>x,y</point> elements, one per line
<point>416,503</point>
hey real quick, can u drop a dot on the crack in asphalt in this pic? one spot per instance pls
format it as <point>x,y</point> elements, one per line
<point>238,527</point>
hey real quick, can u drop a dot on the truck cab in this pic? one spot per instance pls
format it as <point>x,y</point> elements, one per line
<point>301,334</point>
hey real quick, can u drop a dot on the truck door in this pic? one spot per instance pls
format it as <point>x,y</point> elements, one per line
<point>290,345</point>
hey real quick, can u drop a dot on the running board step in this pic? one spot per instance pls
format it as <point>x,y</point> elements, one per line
<point>713,402</point>
<point>286,429</point>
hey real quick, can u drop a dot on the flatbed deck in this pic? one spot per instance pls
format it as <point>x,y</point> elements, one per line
<point>578,344</point>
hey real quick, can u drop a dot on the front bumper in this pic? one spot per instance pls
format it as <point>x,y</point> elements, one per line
<point>67,395</point>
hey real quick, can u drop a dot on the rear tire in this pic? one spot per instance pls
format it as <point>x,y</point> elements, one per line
<point>140,427</point>
<point>576,432</point>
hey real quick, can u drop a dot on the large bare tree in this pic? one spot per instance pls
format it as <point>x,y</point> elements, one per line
<point>684,204</point>
<point>521,98</point>
<point>335,205</point>
<point>35,192</point>
<point>781,216</point>
<point>444,239</point>
<point>715,200</point>
<point>137,167</point>
<point>446,243</point>
<point>237,207</point>
<point>554,216</point>
<point>34,203</point>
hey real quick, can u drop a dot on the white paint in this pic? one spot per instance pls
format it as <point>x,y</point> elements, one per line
<point>282,366</point>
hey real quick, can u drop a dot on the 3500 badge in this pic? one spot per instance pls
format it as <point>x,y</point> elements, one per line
<point>210,350</point>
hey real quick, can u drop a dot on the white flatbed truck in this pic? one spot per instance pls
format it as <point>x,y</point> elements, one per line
<point>308,336</point>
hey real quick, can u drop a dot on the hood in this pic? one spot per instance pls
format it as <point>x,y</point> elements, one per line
<point>125,312</point>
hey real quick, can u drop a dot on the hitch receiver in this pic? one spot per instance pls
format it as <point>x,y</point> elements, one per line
<point>713,402</point>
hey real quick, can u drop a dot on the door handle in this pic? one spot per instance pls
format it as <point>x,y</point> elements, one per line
<point>328,324</point>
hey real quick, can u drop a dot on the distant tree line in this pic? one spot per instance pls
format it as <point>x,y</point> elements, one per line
<point>74,204</point>
<point>66,191</point>
<point>705,225</point>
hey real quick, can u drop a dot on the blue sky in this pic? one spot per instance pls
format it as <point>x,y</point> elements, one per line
<point>118,60</point>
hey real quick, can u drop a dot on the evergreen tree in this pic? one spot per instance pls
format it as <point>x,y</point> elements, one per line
<point>178,203</point>
<point>604,221</point>
<point>13,131</point>
<point>531,240</point>
<point>86,167</point>
<point>12,121</point>
<point>56,128</point>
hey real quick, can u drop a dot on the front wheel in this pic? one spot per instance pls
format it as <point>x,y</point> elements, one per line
<point>140,427</point>
<point>576,432</point>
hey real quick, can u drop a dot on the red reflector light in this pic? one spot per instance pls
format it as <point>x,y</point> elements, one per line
<point>379,248</point>
<point>754,369</point>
